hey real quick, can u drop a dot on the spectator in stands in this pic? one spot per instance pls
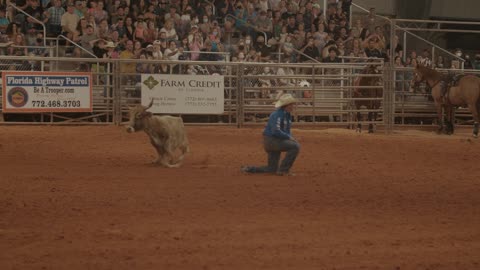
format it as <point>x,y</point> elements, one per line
<point>476,61</point>
<point>38,51</point>
<point>69,22</point>
<point>161,9</point>
<point>150,15</point>
<point>137,49</point>
<point>35,10</point>
<point>157,53</point>
<point>88,39</point>
<point>119,14</point>
<point>413,55</point>
<point>169,30</point>
<point>242,17</point>
<point>53,18</point>
<point>341,48</point>
<point>288,49</point>
<point>81,29</point>
<point>354,46</point>
<point>144,66</point>
<point>310,50</point>
<point>253,56</point>
<point>399,73</point>
<point>300,34</point>
<point>4,22</point>
<point>91,21</point>
<point>80,9</point>
<point>261,48</point>
<point>326,49</point>
<point>140,28</point>
<point>172,53</point>
<point>357,28</point>
<point>151,33</point>
<point>332,56</point>
<point>291,24</point>
<point>380,33</point>
<point>172,15</point>
<point>440,63</point>
<point>128,29</point>
<point>103,29</point>
<point>277,23</point>
<point>99,13</point>
<point>128,69</point>
<point>409,75</point>
<point>371,21</point>
<point>468,62</point>
<point>18,48</point>
<point>264,24</point>
<point>110,53</point>
<point>373,46</point>
<point>286,75</point>
<point>332,30</point>
<point>425,59</point>
<point>99,48</point>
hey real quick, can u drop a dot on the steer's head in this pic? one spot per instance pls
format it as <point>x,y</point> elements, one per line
<point>138,114</point>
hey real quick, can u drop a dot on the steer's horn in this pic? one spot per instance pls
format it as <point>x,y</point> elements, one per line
<point>150,105</point>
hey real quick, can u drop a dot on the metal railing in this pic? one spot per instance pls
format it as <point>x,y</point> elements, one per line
<point>75,44</point>
<point>395,27</point>
<point>325,92</point>
<point>436,25</point>
<point>33,18</point>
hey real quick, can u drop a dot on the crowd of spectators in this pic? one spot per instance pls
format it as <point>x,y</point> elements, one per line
<point>246,30</point>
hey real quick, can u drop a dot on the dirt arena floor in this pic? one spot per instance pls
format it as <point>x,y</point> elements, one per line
<point>87,198</point>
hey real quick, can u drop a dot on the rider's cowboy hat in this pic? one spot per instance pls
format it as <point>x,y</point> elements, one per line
<point>285,100</point>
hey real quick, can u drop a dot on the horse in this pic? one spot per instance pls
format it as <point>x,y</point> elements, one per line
<point>365,93</point>
<point>448,94</point>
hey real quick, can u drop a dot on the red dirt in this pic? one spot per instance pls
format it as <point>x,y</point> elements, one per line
<point>87,198</point>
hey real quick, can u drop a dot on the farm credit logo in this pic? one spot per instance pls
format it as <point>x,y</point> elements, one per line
<point>150,82</point>
<point>17,97</point>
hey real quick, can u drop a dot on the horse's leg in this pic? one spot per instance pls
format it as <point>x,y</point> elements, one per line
<point>370,119</point>
<point>359,124</point>
<point>452,120</point>
<point>448,119</point>
<point>440,117</point>
<point>474,110</point>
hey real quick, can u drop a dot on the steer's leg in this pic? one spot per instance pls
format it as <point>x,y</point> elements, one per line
<point>168,156</point>
<point>166,161</point>
<point>160,151</point>
<point>184,149</point>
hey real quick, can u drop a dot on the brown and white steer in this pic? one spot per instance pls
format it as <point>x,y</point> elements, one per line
<point>167,134</point>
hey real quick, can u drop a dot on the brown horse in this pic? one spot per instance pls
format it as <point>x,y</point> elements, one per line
<point>448,94</point>
<point>365,93</point>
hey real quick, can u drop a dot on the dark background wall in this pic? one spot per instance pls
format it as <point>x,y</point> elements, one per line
<point>423,9</point>
<point>413,9</point>
<point>458,10</point>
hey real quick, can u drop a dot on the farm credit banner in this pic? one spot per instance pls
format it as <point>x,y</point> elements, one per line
<point>183,94</point>
<point>46,92</point>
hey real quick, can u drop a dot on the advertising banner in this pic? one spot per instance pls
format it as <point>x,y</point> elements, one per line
<point>183,94</point>
<point>46,92</point>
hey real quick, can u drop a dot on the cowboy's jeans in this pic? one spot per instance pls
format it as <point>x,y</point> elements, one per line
<point>274,147</point>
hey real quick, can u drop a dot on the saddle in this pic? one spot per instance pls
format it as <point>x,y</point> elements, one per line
<point>449,81</point>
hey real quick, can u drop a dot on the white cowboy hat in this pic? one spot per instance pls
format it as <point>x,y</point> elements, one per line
<point>110,44</point>
<point>285,100</point>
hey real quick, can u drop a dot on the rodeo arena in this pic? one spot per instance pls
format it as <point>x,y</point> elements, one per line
<point>239,134</point>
